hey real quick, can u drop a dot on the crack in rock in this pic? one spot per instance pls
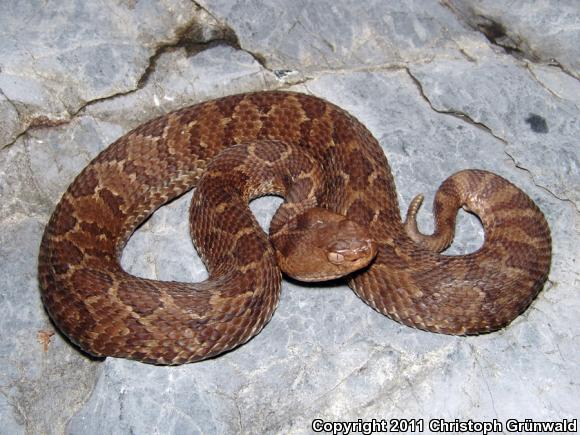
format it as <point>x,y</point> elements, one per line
<point>494,31</point>
<point>500,36</point>
<point>9,100</point>
<point>198,34</point>
<point>192,37</point>
<point>455,113</point>
<point>231,38</point>
<point>466,118</point>
<point>533,180</point>
<point>542,84</point>
<point>555,63</point>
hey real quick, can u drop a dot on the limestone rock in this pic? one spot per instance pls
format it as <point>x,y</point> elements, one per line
<point>438,94</point>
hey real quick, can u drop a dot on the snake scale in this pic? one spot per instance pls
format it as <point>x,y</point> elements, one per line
<point>337,185</point>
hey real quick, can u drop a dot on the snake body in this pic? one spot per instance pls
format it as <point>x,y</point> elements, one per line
<point>108,312</point>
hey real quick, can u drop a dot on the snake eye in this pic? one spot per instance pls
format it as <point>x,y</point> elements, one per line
<point>335,257</point>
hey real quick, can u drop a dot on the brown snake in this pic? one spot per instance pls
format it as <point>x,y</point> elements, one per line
<point>319,157</point>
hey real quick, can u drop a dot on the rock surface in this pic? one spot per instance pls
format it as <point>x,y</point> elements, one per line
<point>545,31</point>
<point>431,85</point>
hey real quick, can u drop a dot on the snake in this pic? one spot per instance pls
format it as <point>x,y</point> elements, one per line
<point>340,219</point>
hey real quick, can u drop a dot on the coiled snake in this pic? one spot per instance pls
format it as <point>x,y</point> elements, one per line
<point>340,217</point>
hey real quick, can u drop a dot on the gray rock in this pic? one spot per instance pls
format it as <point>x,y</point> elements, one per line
<point>56,60</point>
<point>325,35</point>
<point>437,95</point>
<point>560,85</point>
<point>544,31</point>
<point>180,80</point>
<point>10,127</point>
<point>536,124</point>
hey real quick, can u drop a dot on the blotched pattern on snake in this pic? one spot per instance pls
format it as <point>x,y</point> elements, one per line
<point>341,214</point>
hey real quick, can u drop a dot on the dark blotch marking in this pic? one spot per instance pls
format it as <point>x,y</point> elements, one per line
<point>344,128</point>
<point>313,108</point>
<point>360,212</point>
<point>337,183</point>
<point>90,282</point>
<point>248,249</point>
<point>360,169</point>
<point>537,123</point>
<point>286,245</point>
<point>264,102</point>
<point>529,225</point>
<point>60,269</point>
<point>187,114</point>
<point>515,202</point>
<point>299,190</point>
<point>383,184</point>
<point>153,128</point>
<point>305,132</point>
<point>523,256</point>
<point>448,188</point>
<point>130,167</point>
<point>227,106</point>
<point>95,229</point>
<point>66,220</point>
<point>195,144</point>
<point>67,252</point>
<point>270,153</point>
<point>114,202</point>
<point>85,184</point>
<point>140,295</point>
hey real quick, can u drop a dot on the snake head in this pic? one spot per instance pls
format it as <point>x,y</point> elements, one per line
<point>319,245</point>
